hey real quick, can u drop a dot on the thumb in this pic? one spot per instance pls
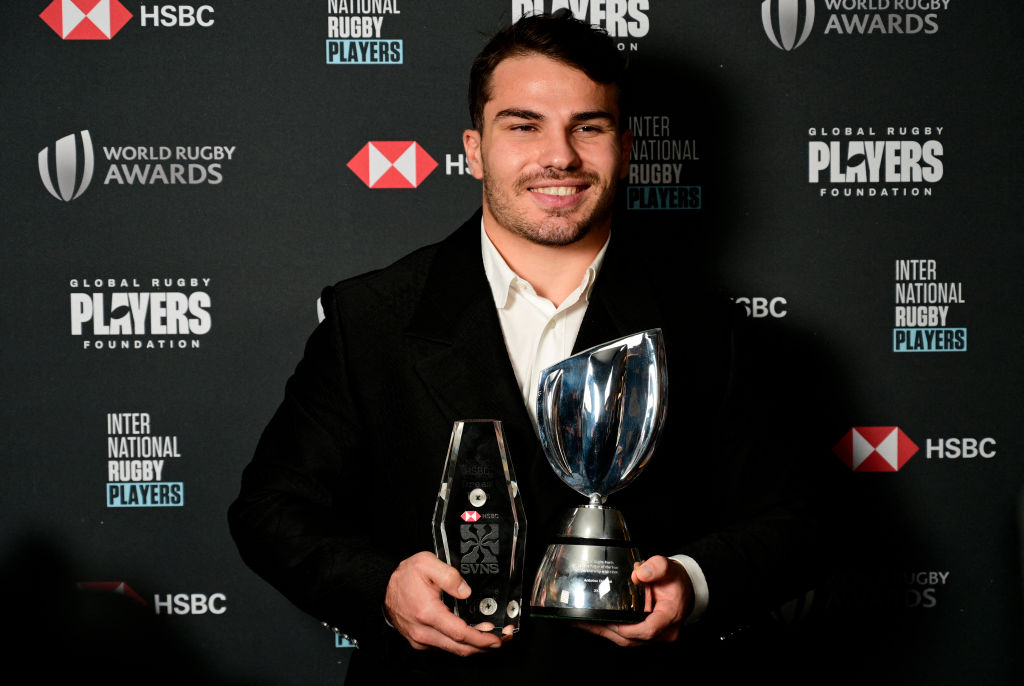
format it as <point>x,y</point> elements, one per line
<point>652,569</point>
<point>448,579</point>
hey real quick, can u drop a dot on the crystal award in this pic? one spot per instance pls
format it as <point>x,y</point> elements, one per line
<point>480,526</point>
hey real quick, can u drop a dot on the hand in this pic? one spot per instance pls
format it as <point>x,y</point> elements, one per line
<point>413,604</point>
<point>670,597</point>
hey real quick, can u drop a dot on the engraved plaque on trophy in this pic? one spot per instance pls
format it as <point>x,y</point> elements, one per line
<point>599,414</point>
<point>480,525</point>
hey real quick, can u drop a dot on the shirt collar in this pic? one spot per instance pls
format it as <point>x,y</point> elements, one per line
<point>501,278</point>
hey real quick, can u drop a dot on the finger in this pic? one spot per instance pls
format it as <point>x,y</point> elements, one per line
<point>426,637</point>
<point>456,630</point>
<point>608,631</point>
<point>655,627</point>
<point>506,631</point>
<point>436,626</point>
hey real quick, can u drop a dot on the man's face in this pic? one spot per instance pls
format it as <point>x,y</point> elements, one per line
<point>549,153</point>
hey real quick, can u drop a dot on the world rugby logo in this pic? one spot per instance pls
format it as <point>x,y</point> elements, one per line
<point>783,22</point>
<point>71,181</point>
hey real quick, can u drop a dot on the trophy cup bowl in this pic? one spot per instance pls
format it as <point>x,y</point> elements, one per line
<point>599,414</point>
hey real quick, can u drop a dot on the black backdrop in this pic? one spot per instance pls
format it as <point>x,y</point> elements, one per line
<point>803,172</point>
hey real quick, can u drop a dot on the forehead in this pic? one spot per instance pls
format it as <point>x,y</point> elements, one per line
<point>535,81</point>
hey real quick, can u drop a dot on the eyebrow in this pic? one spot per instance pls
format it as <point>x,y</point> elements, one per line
<point>517,113</point>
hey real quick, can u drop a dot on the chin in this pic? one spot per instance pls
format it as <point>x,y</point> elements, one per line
<point>558,235</point>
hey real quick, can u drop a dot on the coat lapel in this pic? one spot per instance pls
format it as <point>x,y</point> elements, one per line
<point>453,333</point>
<point>454,329</point>
<point>621,302</point>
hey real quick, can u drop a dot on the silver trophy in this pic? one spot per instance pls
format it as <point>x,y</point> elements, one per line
<point>599,414</point>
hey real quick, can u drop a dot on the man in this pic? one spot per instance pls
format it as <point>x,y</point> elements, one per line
<point>335,507</point>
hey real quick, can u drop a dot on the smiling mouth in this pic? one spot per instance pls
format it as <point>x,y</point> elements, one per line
<point>559,190</point>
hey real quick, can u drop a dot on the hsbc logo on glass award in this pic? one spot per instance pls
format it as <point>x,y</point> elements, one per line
<point>392,164</point>
<point>787,23</point>
<point>85,19</point>
<point>875,449</point>
<point>66,167</point>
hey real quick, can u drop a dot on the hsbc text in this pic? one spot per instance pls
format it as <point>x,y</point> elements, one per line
<point>960,448</point>
<point>190,604</point>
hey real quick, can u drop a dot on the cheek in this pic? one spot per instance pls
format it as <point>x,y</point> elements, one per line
<point>505,165</point>
<point>608,161</point>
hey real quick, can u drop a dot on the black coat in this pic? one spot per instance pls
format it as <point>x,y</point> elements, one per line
<point>343,483</point>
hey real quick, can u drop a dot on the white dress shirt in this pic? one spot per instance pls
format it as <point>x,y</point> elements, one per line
<point>538,334</point>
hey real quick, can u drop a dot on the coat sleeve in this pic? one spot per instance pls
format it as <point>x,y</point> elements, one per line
<point>293,520</point>
<point>778,489</point>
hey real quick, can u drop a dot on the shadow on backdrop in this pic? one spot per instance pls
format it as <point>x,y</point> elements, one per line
<point>59,633</point>
<point>854,621</point>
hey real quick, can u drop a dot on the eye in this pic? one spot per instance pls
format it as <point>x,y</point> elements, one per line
<point>589,129</point>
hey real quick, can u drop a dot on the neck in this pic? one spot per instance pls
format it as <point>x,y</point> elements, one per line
<point>554,271</point>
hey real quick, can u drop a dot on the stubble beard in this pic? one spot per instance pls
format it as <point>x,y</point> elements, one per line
<point>558,228</point>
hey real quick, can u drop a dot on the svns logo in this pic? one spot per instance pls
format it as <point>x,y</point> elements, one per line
<point>783,21</point>
<point>71,180</point>
<point>86,19</point>
<point>479,548</point>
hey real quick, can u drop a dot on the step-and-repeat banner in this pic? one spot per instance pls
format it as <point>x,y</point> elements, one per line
<point>181,180</point>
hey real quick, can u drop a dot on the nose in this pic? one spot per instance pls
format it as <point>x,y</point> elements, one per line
<point>559,150</point>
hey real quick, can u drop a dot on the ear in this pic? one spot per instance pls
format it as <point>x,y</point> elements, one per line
<point>471,143</point>
<point>626,147</point>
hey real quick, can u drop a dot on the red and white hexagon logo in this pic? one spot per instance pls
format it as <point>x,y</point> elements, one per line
<point>118,587</point>
<point>86,19</point>
<point>875,449</point>
<point>392,164</point>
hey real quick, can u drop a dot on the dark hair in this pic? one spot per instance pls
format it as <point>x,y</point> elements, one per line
<point>558,36</point>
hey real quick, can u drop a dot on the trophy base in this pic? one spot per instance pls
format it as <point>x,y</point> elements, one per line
<point>587,573</point>
<point>588,615</point>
